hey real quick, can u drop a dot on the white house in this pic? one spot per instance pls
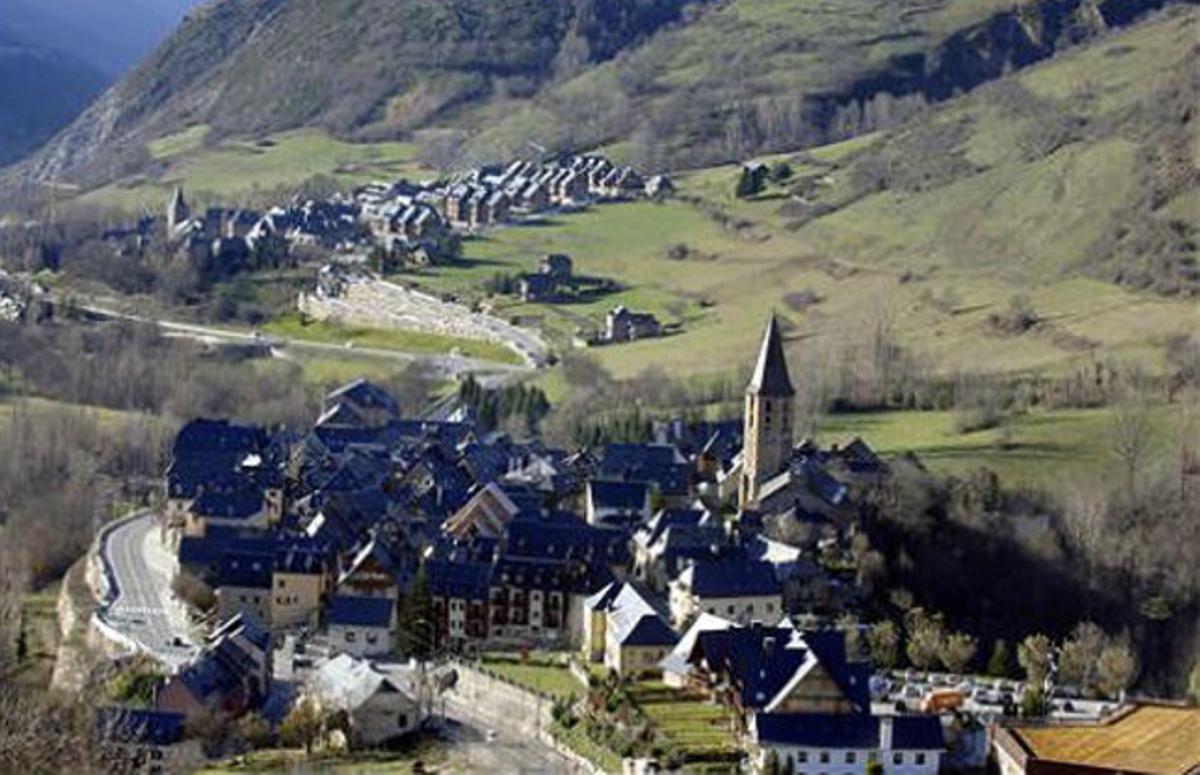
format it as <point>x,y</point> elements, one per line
<point>845,744</point>
<point>361,626</point>
<point>381,706</point>
<point>742,592</point>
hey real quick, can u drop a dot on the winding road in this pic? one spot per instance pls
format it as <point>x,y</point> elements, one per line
<point>141,607</point>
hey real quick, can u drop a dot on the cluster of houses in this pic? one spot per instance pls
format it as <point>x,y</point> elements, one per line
<point>654,559</point>
<point>415,220</point>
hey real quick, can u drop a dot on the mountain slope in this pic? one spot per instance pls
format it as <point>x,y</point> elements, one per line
<point>671,82</point>
<point>40,91</point>
<point>269,65</point>
<point>57,55</point>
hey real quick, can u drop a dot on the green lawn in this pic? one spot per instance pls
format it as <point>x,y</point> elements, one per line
<point>539,674</point>
<point>292,326</point>
<point>237,169</point>
<point>39,627</point>
<point>578,741</point>
<point>699,730</point>
<point>1039,448</point>
<point>431,753</point>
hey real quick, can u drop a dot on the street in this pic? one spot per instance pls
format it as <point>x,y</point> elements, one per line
<point>142,607</point>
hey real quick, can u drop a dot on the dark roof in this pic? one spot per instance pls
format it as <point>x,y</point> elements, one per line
<point>364,395</point>
<point>618,495</point>
<point>733,579</point>
<point>921,733</point>
<point>251,571</point>
<point>650,631</point>
<point>771,373</point>
<point>218,436</point>
<point>825,730</point>
<point>351,611</point>
<point>459,580</point>
<point>241,503</point>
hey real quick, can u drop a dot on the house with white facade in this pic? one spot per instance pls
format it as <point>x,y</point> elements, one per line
<point>380,706</point>
<point>361,626</point>
<point>742,592</point>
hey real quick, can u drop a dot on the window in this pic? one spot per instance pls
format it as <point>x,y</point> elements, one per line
<point>770,608</point>
<point>802,757</point>
<point>351,636</point>
<point>281,583</point>
<point>403,721</point>
<point>920,758</point>
<point>850,757</point>
<point>372,639</point>
<point>897,758</point>
<point>824,757</point>
<point>729,609</point>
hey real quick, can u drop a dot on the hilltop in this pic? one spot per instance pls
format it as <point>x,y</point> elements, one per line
<point>666,83</point>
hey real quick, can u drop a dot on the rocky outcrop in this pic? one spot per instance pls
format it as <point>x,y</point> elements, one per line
<point>1009,41</point>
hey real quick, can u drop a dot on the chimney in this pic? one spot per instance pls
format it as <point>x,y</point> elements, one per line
<point>885,733</point>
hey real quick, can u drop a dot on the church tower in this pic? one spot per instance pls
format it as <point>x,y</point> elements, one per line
<point>178,212</point>
<point>767,446</point>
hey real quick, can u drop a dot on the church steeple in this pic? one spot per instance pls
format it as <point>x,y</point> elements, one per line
<point>768,422</point>
<point>771,376</point>
<point>177,211</point>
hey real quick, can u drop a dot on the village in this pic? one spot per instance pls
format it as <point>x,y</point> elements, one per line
<point>379,565</point>
<point>361,237</point>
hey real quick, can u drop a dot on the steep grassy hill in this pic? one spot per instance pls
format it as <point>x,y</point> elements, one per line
<point>667,83</point>
<point>1041,188</point>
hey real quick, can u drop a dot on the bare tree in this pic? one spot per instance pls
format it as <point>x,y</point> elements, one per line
<point>1115,669</point>
<point>1132,436</point>
<point>1080,654</point>
<point>883,639</point>
<point>958,651</point>
<point>1035,654</point>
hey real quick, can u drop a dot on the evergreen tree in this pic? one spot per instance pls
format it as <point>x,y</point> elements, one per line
<point>418,628</point>
<point>1000,663</point>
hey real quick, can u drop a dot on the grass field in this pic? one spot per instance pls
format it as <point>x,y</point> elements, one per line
<point>244,169</point>
<point>293,327</point>
<point>555,680</point>
<point>700,731</point>
<point>430,753</point>
<point>578,741</point>
<point>1036,449</point>
<point>39,628</point>
<point>937,259</point>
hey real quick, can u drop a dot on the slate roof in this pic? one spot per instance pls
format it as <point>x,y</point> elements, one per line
<point>719,579</point>
<point>649,631</point>
<point>352,611</point>
<point>242,503</point>
<point>250,571</point>
<point>459,580</point>
<point>849,731</point>
<point>348,683</point>
<point>364,395</point>
<point>635,617</point>
<point>631,496</point>
<point>771,376</point>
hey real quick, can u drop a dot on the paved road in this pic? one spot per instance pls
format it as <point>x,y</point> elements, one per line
<point>142,607</point>
<point>510,749</point>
